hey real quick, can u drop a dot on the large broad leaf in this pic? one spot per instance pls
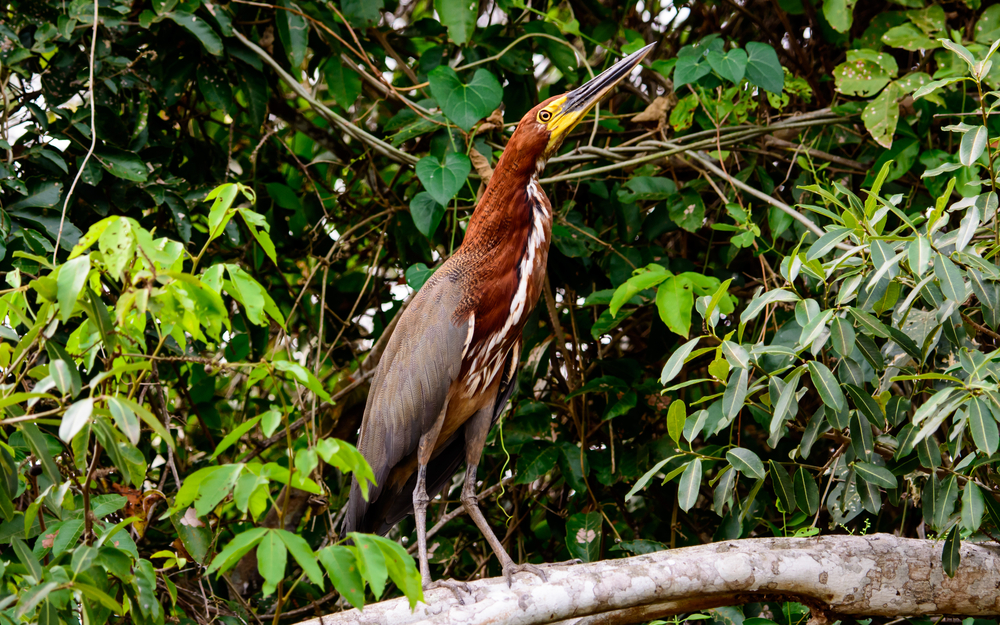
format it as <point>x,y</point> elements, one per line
<point>459,16</point>
<point>123,164</point>
<point>839,13</point>
<point>200,29</point>
<point>583,535</point>
<point>674,300</point>
<point>271,558</point>
<point>362,13</point>
<point>344,84</point>
<point>72,276</point>
<point>76,416</point>
<point>972,146</point>
<point>882,114</point>
<point>426,211</point>
<point>731,65</point>
<point>342,568</point>
<point>465,104</point>
<point>763,67</point>
<point>444,179</point>
<point>294,34</point>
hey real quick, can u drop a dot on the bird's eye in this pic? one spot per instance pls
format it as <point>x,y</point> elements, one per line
<point>544,115</point>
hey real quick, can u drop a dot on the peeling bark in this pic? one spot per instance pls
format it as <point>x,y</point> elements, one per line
<point>877,575</point>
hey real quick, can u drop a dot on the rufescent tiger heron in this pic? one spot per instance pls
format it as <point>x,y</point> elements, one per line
<point>449,367</point>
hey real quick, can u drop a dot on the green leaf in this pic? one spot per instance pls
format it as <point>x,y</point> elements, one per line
<point>465,104</point>
<point>371,561</point>
<point>150,420</point>
<point>736,393</point>
<point>918,255</point>
<point>293,31</point>
<point>983,426</point>
<point>648,475</point>
<point>125,419</point>
<point>200,29</point>
<point>757,304</point>
<point>418,274</point>
<point>687,210</point>
<point>342,568</point>
<point>236,549</point>
<point>304,376</point>
<point>746,462</point>
<point>950,278</point>
<point>687,488</point>
<point>731,65</point>
<point>443,180</point>
<point>860,76</point>
<point>908,37</point>
<point>874,474</point>
<point>827,385</point>
<point>532,467</point>
<point>676,418</point>
<point>951,554</point>
<point>303,554</point>
<point>362,13</point>
<point>806,491</point>
<point>861,437</point>
<point>783,486</point>
<point>842,336</point>
<point>459,16</point>
<point>126,165</point>
<point>882,114</point>
<point>583,535</point>
<point>674,300</point>
<point>763,67</point>
<point>27,558</point>
<point>839,13</point>
<point>76,416</point>
<point>344,84</point>
<point>72,277</point>
<point>973,506</point>
<point>972,146</point>
<point>31,597</point>
<point>234,436</point>
<point>641,279</point>
<point>784,403</point>
<point>425,210</point>
<point>215,87</point>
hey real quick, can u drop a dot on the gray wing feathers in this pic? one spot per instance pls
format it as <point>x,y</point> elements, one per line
<point>420,362</point>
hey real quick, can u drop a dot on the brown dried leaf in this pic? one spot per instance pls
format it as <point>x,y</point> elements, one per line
<point>482,165</point>
<point>657,110</point>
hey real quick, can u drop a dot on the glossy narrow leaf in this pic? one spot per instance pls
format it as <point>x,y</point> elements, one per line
<point>950,278</point>
<point>972,146</point>
<point>234,435</point>
<point>951,555</point>
<point>827,385</point>
<point>736,393</point>
<point>783,486</point>
<point>983,426</point>
<point>842,336</point>
<point>973,506</point>
<point>735,354</point>
<point>648,475</point>
<point>294,34</point>
<point>861,437</point>
<point>944,501</point>
<point>72,276</point>
<point>918,255</point>
<point>781,407</point>
<point>967,228</point>
<point>200,29</point>
<point>874,474</point>
<point>76,416</point>
<point>687,489</point>
<point>993,508</point>
<point>806,491</point>
<point>676,361</point>
<point>676,417</point>
<point>827,242</point>
<point>866,404</point>
<point>746,462</point>
<point>757,304</point>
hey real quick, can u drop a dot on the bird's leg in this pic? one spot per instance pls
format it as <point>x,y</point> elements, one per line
<point>476,430</point>
<point>420,501</point>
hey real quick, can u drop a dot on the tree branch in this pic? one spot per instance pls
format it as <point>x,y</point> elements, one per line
<point>877,575</point>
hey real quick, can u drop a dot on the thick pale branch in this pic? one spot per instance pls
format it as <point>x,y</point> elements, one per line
<point>877,575</point>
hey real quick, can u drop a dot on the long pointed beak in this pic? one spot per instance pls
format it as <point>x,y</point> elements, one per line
<point>583,98</point>
<point>577,103</point>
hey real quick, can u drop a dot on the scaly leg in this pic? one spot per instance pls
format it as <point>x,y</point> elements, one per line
<point>476,430</point>
<point>420,501</point>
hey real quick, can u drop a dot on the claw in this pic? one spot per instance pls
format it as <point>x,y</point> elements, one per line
<point>511,569</point>
<point>456,587</point>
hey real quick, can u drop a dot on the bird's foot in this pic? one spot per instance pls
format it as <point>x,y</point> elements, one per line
<point>510,569</point>
<point>456,587</point>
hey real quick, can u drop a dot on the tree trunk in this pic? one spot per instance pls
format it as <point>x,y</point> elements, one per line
<point>877,575</point>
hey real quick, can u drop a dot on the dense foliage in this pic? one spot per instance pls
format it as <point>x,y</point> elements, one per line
<point>771,308</point>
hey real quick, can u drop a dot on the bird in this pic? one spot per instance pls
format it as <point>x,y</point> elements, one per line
<point>450,365</point>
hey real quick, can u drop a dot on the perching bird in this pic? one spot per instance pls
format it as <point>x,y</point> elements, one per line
<point>449,367</point>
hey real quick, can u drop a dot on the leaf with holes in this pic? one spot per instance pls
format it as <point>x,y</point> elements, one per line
<point>583,535</point>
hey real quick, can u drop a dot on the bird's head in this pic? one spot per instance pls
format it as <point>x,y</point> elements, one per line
<point>545,127</point>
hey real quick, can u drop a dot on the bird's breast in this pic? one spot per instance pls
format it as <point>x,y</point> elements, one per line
<point>510,293</point>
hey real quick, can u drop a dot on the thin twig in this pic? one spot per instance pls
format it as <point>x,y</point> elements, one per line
<point>93,139</point>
